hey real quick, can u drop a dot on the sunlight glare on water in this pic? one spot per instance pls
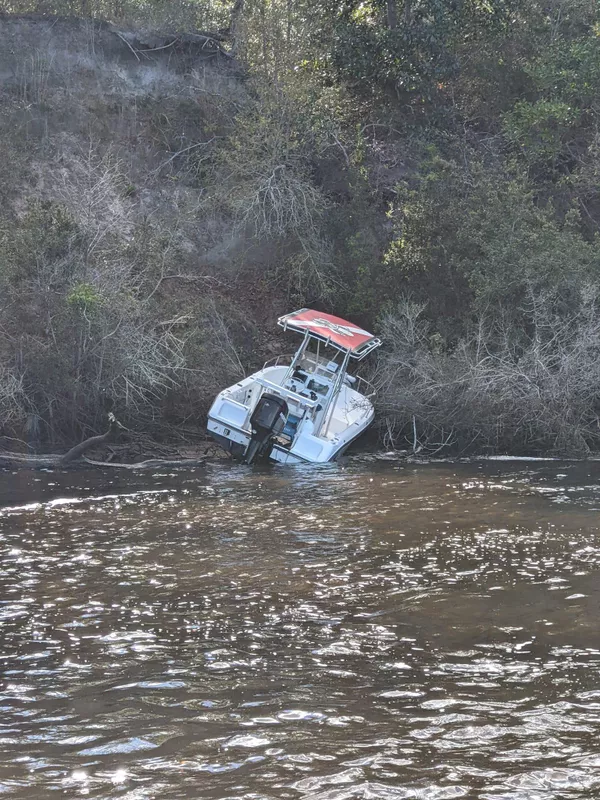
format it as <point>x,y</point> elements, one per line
<point>377,629</point>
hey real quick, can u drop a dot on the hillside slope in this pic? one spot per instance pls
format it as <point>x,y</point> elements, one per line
<point>119,272</point>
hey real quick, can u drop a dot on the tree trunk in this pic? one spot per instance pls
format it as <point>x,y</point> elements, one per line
<point>79,449</point>
<point>392,14</point>
<point>234,23</point>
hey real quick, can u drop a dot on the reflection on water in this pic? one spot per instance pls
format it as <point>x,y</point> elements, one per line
<point>372,630</point>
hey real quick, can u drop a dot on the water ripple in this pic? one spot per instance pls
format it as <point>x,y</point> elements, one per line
<point>376,629</point>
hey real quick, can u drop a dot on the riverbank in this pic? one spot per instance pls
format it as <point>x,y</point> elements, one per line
<point>140,452</point>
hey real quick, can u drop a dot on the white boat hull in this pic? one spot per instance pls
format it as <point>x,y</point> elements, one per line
<point>236,441</point>
<point>229,423</point>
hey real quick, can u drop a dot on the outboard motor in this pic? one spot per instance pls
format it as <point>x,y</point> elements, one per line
<point>267,420</point>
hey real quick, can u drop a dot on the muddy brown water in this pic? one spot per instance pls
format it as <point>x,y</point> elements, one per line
<point>372,630</point>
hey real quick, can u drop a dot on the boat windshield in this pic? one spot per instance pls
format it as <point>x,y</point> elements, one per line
<point>316,371</point>
<point>318,359</point>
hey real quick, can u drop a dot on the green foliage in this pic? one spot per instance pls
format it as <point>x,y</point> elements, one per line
<point>474,239</point>
<point>410,57</point>
<point>410,50</point>
<point>517,247</point>
<point>84,297</point>
<point>539,129</point>
<point>569,70</point>
<point>549,130</point>
<point>356,231</point>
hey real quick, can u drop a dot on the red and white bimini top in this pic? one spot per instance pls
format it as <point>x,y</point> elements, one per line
<point>335,331</point>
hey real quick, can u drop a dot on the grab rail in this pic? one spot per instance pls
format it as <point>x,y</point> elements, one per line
<point>372,391</point>
<point>276,360</point>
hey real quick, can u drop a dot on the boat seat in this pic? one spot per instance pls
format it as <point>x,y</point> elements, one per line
<point>291,425</point>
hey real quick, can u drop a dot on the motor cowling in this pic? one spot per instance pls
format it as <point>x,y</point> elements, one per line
<point>268,420</point>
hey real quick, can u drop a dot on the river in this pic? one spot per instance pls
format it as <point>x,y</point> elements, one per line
<point>376,629</point>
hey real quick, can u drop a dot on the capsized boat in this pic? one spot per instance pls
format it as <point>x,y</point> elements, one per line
<point>300,408</point>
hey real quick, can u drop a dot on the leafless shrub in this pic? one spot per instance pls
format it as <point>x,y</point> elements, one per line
<point>265,183</point>
<point>33,73</point>
<point>218,332</point>
<point>12,397</point>
<point>284,206</point>
<point>92,186</point>
<point>147,361</point>
<point>279,203</point>
<point>497,388</point>
<point>308,273</point>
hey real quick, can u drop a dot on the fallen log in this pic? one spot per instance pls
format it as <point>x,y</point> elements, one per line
<point>150,463</point>
<point>52,461</point>
<point>79,449</point>
<point>20,461</point>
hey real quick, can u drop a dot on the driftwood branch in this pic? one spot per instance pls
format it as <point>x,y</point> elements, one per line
<point>20,461</point>
<point>150,463</point>
<point>201,43</point>
<point>123,39</point>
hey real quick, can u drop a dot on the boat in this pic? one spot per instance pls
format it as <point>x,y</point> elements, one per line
<point>303,408</point>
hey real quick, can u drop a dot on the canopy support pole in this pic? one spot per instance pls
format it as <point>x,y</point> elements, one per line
<point>334,395</point>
